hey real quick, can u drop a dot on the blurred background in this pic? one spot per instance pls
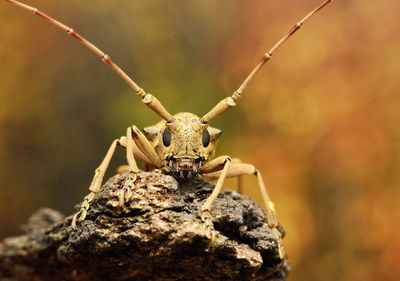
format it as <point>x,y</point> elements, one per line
<point>321,120</point>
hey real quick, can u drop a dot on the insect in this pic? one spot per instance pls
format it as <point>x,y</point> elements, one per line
<point>182,144</point>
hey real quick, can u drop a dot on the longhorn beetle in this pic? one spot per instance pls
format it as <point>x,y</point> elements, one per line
<point>180,145</point>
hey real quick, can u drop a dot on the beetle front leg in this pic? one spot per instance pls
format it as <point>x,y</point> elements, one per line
<point>214,165</point>
<point>95,185</point>
<point>136,145</point>
<point>145,146</point>
<point>126,192</point>
<point>240,169</point>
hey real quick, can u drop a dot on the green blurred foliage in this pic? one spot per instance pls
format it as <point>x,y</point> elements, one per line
<point>321,121</point>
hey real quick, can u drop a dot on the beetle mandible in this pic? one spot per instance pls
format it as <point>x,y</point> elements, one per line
<point>181,145</point>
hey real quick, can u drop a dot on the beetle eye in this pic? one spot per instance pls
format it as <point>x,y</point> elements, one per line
<point>166,137</point>
<point>206,138</point>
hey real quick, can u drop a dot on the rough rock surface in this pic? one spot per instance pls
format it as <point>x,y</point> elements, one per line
<point>156,235</point>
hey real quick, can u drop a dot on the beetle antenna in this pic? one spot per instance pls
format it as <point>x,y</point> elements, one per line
<point>148,99</point>
<point>230,102</point>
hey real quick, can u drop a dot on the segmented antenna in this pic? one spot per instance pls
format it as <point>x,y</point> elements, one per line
<point>230,102</point>
<point>148,99</point>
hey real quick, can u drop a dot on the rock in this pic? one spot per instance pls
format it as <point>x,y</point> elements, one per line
<point>156,235</point>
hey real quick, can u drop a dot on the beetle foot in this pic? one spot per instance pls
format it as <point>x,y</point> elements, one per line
<point>81,214</point>
<point>125,194</point>
<point>277,230</point>
<point>279,237</point>
<point>208,226</point>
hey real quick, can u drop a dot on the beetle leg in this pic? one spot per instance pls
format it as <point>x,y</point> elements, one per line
<point>239,177</point>
<point>240,169</point>
<point>136,145</point>
<point>136,152</point>
<point>142,149</point>
<point>206,217</point>
<point>126,192</point>
<point>95,184</point>
<point>145,146</point>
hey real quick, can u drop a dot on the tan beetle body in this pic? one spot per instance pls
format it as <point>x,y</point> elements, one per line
<point>182,144</point>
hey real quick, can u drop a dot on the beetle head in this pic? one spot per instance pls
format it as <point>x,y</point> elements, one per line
<point>184,143</point>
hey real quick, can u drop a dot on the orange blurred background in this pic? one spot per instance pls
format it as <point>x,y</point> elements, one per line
<point>321,120</point>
